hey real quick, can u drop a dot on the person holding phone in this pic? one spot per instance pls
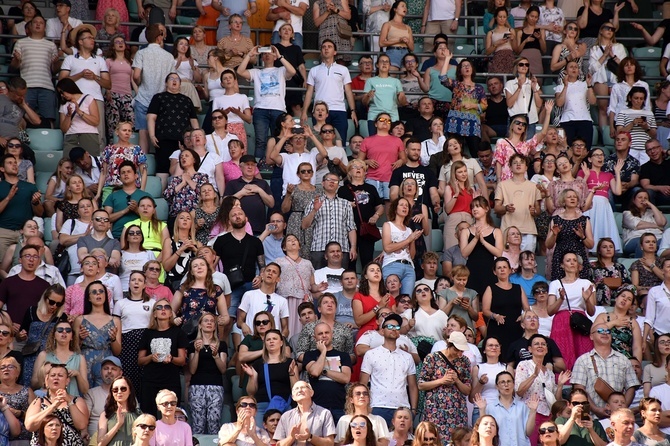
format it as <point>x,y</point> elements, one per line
<point>580,428</point>
<point>531,42</point>
<point>501,42</point>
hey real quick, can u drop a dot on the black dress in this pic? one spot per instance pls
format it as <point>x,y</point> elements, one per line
<point>480,263</point>
<point>505,303</point>
<point>568,241</point>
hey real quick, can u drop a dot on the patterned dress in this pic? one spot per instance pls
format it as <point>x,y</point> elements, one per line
<point>460,121</point>
<point>114,155</point>
<point>647,279</point>
<point>295,286</point>
<point>505,149</point>
<point>96,347</point>
<point>35,330</point>
<point>622,340</point>
<point>196,301</point>
<point>603,292</point>
<point>301,199</point>
<point>445,405</point>
<point>185,199</point>
<point>71,435</point>
<point>202,234</point>
<point>568,241</point>
<point>19,401</point>
<point>328,30</point>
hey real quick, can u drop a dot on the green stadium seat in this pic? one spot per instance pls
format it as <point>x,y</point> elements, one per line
<point>42,140</point>
<point>462,31</point>
<point>162,209</point>
<point>134,138</point>
<point>648,52</point>
<point>47,231</point>
<point>41,180</point>
<point>201,118</point>
<point>549,90</point>
<point>251,138</point>
<point>651,70</point>
<point>626,262</point>
<point>594,139</point>
<point>618,218</point>
<point>363,128</point>
<point>154,187</point>
<point>351,130</point>
<point>437,240</point>
<point>462,49</point>
<point>151,164</point>
<point>47,161</point>
<point>607,140</point>
<point>132,11</point>
<point>182,20</point>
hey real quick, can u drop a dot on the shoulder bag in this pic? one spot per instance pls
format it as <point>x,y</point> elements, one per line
<point>276,402</point>
<point>32,347</point>
<point>62,257</point>
<point>235,274</point>
<point>578,321</point>
<point>344,29</point>
<point>366,228</point>
<point>602,388</point>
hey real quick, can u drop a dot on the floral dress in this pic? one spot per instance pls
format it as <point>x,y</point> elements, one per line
<point>185,199</point>
<point>603,292</point>
<point>460,121</point>
<point>70,210</point>
<point>647,279</point>
<point>114,155</point>
<point>196,301</point>
<point>328,30</point>
<point>301,199</point>
<point>96,347</point>
<point>622,340</point>
<point>71,435</point>
<point>445,405</point>
<point>19,401</point>
<point>295,287</point>
<point>505,149</point>
<point>568,241</point>
<point>202,234</point>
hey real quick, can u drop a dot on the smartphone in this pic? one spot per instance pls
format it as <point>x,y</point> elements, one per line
<point>298,131</point>
<point>265,49</point>
<point>644,118</point>
<point>506,35</point>
<point>586,411</point>
<point>561,133</point>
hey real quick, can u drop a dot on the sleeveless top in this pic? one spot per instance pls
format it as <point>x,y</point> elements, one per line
<point>496,36</point>
<point>71,435</point>
<point>71,364</point>
<point>534,44</point>
<point>152,239</point>
<point>397,34</point>
<point>397,235</point>
<point>214,88</point>
<point>438,91</point>
<point>202,233</point>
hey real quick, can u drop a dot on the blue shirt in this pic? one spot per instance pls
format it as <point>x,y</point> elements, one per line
<point>272,248</point>
<point>527,284</point>
<point>511,422</point>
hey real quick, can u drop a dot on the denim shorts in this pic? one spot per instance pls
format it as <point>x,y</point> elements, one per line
<point>396,54</point>
<point>381,186</point>
<point>141,116</point>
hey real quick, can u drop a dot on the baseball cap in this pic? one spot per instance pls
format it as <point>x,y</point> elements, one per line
<point>392,318</point>
<point>247,159</point>
<point>114,360</point>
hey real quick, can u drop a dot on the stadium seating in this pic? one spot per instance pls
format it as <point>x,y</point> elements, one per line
<point>151,164</point>
<point>162,209</point>
<point>41,180</point>
<point>42,140</point>
<point>47,161</point>
<point>154,187</point>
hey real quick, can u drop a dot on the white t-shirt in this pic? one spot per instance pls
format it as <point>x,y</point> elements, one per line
<point>269,87</point>
<point>520,107</point>
<point>442,10</point>
<point>290,164</point>
<point>135,315</point>
<point>296,20</point>
<point>67,229</point>
<point>78,125</point>
<point>388,372</point>
<point>328,82</point>
<point>576,107</point>
<point>427,324</point>
<point>373,339</point>
<point>208,164</point>
<point>330,275</point>
<point>255,300</point>
<point>574,293</point>
<point>236,100</point>
<point>333,152</point>
<point>55,27</point>
<point>77,64</point>
<point>218,146</point>
<point>133,261</point>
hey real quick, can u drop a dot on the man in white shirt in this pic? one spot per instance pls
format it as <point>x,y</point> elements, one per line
<point>87,167</point>
<point>333,271</point>
<point>44,271</point>
<point>59,25</point>
<point>287,11</point>
<point>374,338</point>
<point>658,306</point>
<point>264,299</point>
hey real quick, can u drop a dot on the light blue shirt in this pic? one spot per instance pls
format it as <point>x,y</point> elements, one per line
<point>527,284</point>
<point>272,248</point>
<point>511,422</point>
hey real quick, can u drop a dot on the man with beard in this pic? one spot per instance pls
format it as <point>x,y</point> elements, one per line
<point>425,178</point>
<point>97,396</point>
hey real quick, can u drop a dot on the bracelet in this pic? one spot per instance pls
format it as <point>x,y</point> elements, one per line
<point>376,308</point>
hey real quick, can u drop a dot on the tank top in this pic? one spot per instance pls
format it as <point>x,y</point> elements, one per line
<point>215,89</point>
<point>438,91</point>
<point>489,391</point>
<point>534,44</point>
<point>397,235</point>
<point>395,34</point>
<point>496,36</point>
<point>462,204</point>
<point>152,239</point>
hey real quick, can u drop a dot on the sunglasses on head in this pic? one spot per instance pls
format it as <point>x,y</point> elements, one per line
<point>63,330</point>
<point>544,430</point>
<point>53,302</point>
<point>263,322</point>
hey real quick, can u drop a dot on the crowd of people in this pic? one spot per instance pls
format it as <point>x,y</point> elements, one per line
<point>293,294</point>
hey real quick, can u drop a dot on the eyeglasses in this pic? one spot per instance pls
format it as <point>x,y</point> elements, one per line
<point>101,219</point>
<point>263,322</point>
<point>521,123</point>
<point>549,429</point>
<point>134,232</point>
<point>168,404</point>
<point>55,303</point>
<point>664,343</point>
<point>363,393</point>
<point>249,405</point>
<point>5,333</point>
<point>355,425</point>
<point>330,180</point>
<point>8,367</point>
<point>217,117</point>
<point>392,327</point>
<point>410,61</point>
<point>403,301</point>
<point>578,403</point>
<point>532,318</point>
<point>13,146</point>
<point>649,149</point>
<point>306,171</point>
<point>162,307</point>
<point>602,331</point>
<point>144,427</point>
<point>30,256</point>
<point>608,28</point>
<point>119,389</point>
<point>523,64</point>
<point>328,131</point>
<point>64,330</point>
<point>97,292</point>
<point>174,78</point>
<point>540,290</point>
<point>154,269</point>
<point>387,120</point>
<point>89,264</point>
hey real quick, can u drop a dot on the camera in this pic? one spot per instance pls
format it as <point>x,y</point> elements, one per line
<point>298,131</point>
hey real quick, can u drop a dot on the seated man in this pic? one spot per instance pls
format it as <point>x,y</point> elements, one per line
<point>518,350</point>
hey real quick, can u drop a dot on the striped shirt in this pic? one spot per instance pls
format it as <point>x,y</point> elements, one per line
<point>36,58</point>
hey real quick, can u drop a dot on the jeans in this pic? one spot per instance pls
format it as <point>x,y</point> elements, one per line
<point>264,119</point>
<point>633,246</point>
<point>406,274</point>
<point>385,413</point>
<point>236,298</point>
<point>339,120</point>
<point>382,188</point>
<point>297,38</point>
<point>44,102</point>
<point>261,408</point>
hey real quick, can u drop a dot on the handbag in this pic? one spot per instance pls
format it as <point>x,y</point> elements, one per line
<point>344,29</point>
<point>602,388</point>
<point>548,395</point>
<point>578,321</point>
<point>32,347</point>
<point>366,228</point>
<point>62,257</point>
<point>276,402</point>
<point>235,274</point>
<point>612,283</point>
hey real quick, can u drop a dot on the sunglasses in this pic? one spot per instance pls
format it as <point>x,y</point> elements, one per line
<point>540,290</point>
<point>144,427</point>
<point>64,329</point>
<point>217,117</point>
<point>523,64</point>
<point>355,425</point>
<point>608,28</point>
<point>578,403</point>
<point>53,302</point>
<point>307,171</point>
<point>119,389</point>
<point>13,146</point>
<point>363,393</point>
<point>544,430</point>
<point>603,331</point>
<point>387,120</point>
<point>8,367</point>
<point>263,322</point>
<point>328,131</point>
<point>154,269</point>
<point>162,307</point>
<point>97,292</point>
<point>249,405</point>
<point>5,332</point>
<point>101,219</point>
<point>423,290</point>
<point>521,123</point>
<point>429,439</point>
<point>134,232</point>
<point>168,404</point>
<point>392,327</point>
<point>572,28</point>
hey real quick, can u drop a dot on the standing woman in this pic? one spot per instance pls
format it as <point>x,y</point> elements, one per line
<point>565,181</point>
<point>99,331</point>
<point>646,272</point>
<point>245,431</point>
<point>70,233</point>
<point>419,220</point>
<point>543,178</point>
<point>434,145</point>
<point>570,49</point>
<point>445,377</point>
<point>523,96</point>
<point>660,108</point>
<point>605,50</point>
<point>531,41</point>
<point>481,244</point>
<point>292,53</point>
<point>115,425</point>
<point>426,320</point>
<point>452,151</point>
<point>501,43</point>
<point>79,118</point>
<point>17,396</point>
<point>401,427</point>
<point>162,353</point>
<point>56,186</point>
<point>608,275</point>
<point>236,44</point>
<point>396,36</point>
<point>377,14</point>
<point>207,364</point>
<point>371,296</point>
<point>297,197</point>
<point>143,430</point>
<point>156,290</point>
<point>580,293</point>
<point>187,69</point>
<point>238,111</point>
<point>629,75</point>
<point>358,404</point>
<point>485,432</point>
<point>468,103</point>
<point>592,16</point>
<point>484,374</point>
<point>575,113</point>
<point>552,22</point>
<point>389,96</point>
<point>654,374</point>
<point>68,208</point>
<point>440,95</point>
<point>216,60</point>
<point>458,196</point>
<point>200,49</point>
<point>133,255</point>
<point>327,17</point>
<point>503,302</point>
<point>118,99</point>
<point>112,160</point>
<point>398,245</point>
<point>650,433</point>
<point>204,215</point>
<point>179,250</point>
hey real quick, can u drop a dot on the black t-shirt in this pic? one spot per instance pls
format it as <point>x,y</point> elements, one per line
<point>425,178</point>
<point>657,174</point>
<point>280,382</point>
<point>367,199</point>
<point>595,22</point>
<point>293,54</point>
<point>518,351</point>
<point>328,393</point>
<point>231,251</point>
<point>207,374</point>
<point>420,128</point>
<point>163,343</point>
<point>174,113</point>
<point>252,204</point>
<point>497,113</point>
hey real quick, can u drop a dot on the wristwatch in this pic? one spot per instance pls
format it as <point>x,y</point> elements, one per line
<point>324,372</point>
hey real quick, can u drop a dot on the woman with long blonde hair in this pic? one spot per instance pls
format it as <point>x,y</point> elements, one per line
<point>458,194</point>
<point>179,250</point>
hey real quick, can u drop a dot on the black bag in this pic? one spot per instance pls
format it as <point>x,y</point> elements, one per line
<point>612,66</point>
<point>235,274</point>
<point>579,323</point>
<point>62,257</point>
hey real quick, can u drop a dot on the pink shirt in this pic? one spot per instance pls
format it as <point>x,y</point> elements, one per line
<point>74,299</point>
<point>159,292</point>
<point>120,72</point>
<point>232,171</point>
<point>595,179</point>
<point>78,124</point>
<point>505,150</point>
<point>386,151</point>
